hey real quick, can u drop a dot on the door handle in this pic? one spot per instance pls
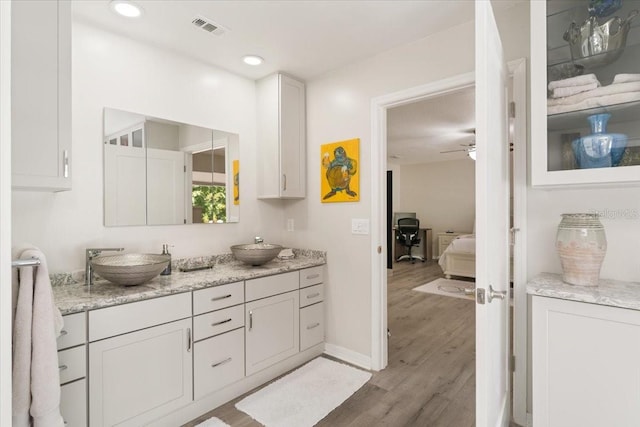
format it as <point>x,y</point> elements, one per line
<point>490,295</point>
<point>189,342</point>
<point>493,294</point>
<point>250,320</point>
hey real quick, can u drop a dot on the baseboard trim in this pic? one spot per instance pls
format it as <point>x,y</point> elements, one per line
<point>349,356</point>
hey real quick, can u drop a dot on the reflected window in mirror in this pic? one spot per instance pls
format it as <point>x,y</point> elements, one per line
<point>167,172</point>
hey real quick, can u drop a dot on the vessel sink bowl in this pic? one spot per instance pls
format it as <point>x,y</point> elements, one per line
<point>256,253</point>
<point>130,269</point>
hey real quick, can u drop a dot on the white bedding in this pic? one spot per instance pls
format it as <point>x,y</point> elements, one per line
<point>465,243</point>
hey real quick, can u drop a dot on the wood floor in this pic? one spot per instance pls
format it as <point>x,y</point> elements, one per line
<point>430,379</point>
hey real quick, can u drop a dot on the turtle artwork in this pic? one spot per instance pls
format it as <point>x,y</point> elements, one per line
<point>340,173</point>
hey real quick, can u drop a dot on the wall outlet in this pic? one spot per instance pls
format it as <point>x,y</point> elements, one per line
<point>290,224</point>
<point>359,226</point>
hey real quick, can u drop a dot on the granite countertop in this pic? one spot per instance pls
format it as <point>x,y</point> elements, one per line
<point>76,297</point>
<point>614,293</point>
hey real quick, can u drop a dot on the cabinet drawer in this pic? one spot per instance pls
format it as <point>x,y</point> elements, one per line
<point>311,276</point>
<point>73,403</point>
<point>218,362</point>
<point>218,297</point>
<point>111,321</point>
<point>74,331</point>
<point>72,363</point>
<point>311,326</point>
<point>311,295</point>
<point>272,285</point>
<point>217,322</point>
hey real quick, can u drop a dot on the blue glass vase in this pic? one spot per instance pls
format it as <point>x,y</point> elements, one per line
<point>600,149</point>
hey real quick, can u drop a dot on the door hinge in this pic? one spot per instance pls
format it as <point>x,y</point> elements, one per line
<point>512,110</point>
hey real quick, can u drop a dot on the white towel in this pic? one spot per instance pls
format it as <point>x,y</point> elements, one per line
<point>598,101</point>
<point>574,81</point>
<point>561,92</point>
<point>626,78</point>
<point>601,91</point>
<point>37,323</point>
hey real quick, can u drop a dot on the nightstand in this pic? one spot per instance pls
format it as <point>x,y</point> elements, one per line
<point>444,239</point>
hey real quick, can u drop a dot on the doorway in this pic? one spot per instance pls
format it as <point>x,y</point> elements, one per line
<point>379,312</point>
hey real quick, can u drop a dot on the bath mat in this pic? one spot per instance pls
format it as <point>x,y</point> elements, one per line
<point>213,422</point>
<point>305,396</point>
<point>449,288</point>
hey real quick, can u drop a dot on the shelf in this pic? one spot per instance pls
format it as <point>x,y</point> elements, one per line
<point>626,112</point>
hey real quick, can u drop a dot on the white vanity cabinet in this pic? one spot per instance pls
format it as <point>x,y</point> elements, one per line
<point>41,94</point>
<point>218,328</point>
<point>281,125</point>
<point>555,128</point>
<point>72,362</point>
<point>140,360</point>
<point>311,307</point>
<point>272,320</point>
<point>585,364</point>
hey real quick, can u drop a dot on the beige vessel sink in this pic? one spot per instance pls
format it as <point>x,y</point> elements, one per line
<point>256,253</point>
<point>129,269</point>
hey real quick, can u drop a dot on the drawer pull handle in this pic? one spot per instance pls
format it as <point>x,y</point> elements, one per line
<point>222,322</point>
<point>219,298</point>
<point>63,332</point>
<point>314,295</point>
<point>227,360</point>
<point>62,367</point>
<point>315,325</point>
<point>313,276</point>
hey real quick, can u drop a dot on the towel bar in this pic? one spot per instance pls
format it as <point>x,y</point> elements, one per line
<point>25,262</point>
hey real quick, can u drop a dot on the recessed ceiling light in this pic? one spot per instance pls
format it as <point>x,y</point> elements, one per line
<point>126,8</point>
<point>252,59</point>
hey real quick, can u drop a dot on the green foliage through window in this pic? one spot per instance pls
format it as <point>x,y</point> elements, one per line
<point>212,200</point>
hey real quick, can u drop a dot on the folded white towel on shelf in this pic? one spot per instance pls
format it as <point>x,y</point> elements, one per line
<point>601,91</point>
<point>561,92</point>
<point>574,81</point>
<point>598,101</point>
<point>625,78</point>
<point>37,323</point>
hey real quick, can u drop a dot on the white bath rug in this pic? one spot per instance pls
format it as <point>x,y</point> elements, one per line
<point>305,396</point>
<point>449,288</point>
<point>213,422</point>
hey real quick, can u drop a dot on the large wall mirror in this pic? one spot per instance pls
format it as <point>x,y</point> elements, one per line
<point>159,172</point>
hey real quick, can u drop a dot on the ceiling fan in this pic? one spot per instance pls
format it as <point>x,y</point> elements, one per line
<point>469,148</point>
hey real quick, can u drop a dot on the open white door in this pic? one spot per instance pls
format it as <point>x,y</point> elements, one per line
<point>492,224</point>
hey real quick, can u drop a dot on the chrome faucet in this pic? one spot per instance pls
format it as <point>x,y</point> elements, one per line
<point>90,254</point>
<point>258,239</point>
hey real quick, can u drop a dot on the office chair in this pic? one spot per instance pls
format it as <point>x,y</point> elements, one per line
<point>408,236</point>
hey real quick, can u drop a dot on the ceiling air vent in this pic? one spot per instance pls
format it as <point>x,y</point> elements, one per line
<point>208,25</point>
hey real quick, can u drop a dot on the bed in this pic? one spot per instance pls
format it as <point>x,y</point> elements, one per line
<point>459,259</point>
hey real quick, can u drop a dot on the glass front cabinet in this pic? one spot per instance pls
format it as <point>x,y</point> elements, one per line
<point>585,93</point>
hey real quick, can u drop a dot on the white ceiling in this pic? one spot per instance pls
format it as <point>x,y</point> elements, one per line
<point>307,39</point>
<point>420,131</point>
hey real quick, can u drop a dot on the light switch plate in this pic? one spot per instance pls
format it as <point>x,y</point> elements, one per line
<point>359,226</point>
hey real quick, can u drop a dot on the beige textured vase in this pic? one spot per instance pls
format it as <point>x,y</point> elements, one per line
<point>582,244</point>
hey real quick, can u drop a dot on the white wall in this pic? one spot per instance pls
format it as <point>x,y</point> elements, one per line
<point>112,71</point>
<point>338,108</point>
<point>441,193</point>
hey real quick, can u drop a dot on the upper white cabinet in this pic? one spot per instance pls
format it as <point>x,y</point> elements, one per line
<point>585,131</point>
<point>41,94</point>
<point>281,137</point>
